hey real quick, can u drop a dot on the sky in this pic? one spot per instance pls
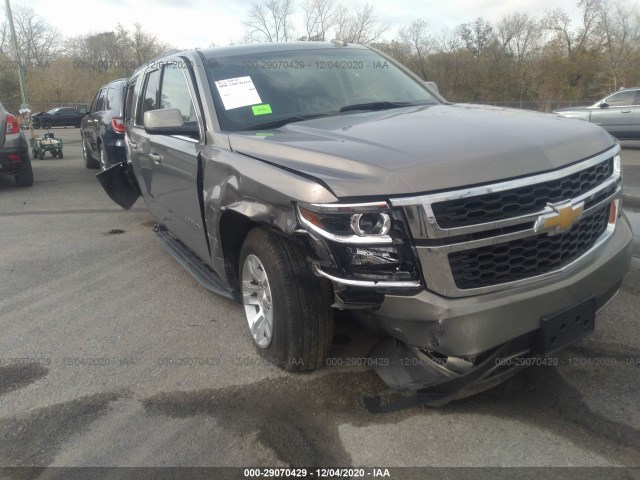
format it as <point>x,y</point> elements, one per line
<point>199,23</point>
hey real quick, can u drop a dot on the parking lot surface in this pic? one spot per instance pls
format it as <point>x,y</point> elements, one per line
<point>112,354</point>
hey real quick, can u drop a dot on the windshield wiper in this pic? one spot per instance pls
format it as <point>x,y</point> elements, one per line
<point>378,106</point>
<point>284,121</point>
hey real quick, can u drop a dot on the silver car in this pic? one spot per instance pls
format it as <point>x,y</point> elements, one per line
<point>619,113</point>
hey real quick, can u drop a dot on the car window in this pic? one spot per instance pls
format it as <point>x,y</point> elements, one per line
<point>128,109</point>
<point>100,102</point>
<point>66,111</point>
<point>94,103</point>
<point>621,99</point>
<point>174,93</point>
<point>114,100</point>
<point>149,95</point>
<point>637,100</point>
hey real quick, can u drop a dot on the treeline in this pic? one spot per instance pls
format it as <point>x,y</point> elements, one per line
<point>516,58</point>
<point>61,70</point>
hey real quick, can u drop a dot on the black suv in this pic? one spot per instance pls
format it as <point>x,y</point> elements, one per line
<point>102,130</point>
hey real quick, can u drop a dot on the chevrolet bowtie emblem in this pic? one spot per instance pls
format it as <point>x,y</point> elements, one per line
<point>563,217</point>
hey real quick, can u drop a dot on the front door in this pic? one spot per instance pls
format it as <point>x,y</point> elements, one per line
<point>173,162</point>
<point>616,116</point>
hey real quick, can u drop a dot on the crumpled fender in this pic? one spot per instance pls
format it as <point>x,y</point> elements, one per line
<point>262,192</point>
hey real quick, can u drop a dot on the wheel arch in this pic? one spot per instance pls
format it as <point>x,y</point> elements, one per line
<point>234,226</point>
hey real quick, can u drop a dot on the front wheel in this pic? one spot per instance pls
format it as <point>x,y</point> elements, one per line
<point>287,307</point>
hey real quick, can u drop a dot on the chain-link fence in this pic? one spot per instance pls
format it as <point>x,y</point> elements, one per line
<point>542,105</point>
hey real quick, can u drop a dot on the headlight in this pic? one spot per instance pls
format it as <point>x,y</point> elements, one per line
<point>361,223</point>
<point>366,241</point>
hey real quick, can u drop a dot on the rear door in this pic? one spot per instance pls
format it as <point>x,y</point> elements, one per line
<point>66,117</point>
<point>138,146</point>
<point>616,117</point>
<point>635,116</point>
<point>174,160</point>
<point>3,124</point>
<point>92,122</point>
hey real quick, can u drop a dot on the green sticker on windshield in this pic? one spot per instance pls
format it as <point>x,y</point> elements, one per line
<point>263,109</point>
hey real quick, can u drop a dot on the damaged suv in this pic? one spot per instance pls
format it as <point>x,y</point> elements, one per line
<point>300,178</point>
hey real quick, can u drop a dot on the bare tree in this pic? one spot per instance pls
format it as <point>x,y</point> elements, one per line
<point>4,35</point>
<point>145,46</point>
<point>270,21</point>
<point>519,35</point>
<point>417,38</point>
<point>476,36</point>
<point>362,26</point>
<point>318,17</point>
<point>38,42</point>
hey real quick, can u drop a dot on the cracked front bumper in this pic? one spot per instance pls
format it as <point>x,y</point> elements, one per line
<point>465,327</point>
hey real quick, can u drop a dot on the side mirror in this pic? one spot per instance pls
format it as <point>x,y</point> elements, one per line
<point>82,109</point>
<point>168,121</point>
<point>604,105</point>
<point>433,86</point>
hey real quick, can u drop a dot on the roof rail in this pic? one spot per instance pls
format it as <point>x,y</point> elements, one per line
<point>156,58</point>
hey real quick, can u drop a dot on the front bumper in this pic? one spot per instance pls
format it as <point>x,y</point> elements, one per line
<point>465,327</point>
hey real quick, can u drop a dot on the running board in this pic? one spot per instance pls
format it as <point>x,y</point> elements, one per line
<point>196,267</point>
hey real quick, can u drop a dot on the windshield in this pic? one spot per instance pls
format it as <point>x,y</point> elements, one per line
<point>273,88</point>
<point>53,110</point>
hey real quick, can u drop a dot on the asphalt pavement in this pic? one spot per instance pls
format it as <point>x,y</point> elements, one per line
<point>112,354</point>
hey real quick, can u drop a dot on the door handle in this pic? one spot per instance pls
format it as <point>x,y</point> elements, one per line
<point>156,158</point>
<point>625,111</point>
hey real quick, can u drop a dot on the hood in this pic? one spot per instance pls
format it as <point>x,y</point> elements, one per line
<point>423,149</point>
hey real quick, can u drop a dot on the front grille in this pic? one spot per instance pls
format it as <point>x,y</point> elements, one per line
<point>526,257</point>
<point>520,201</point>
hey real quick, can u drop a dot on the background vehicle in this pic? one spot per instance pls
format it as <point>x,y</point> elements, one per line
<point>304,176</point>
<point>619,113</point>
<point>59,117</point>
<point>102,130</point>
<point>14,150</point>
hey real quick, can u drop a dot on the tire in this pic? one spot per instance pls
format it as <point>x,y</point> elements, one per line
<point>302,318</point>
<point>104,158</point>
<point>89,161</point>
<point>60,155</point>
<point>25,177</point>
<point>41,155</point>
<point>46,124</point>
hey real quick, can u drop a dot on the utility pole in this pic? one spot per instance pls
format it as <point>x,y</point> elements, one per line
<point>23,90</point>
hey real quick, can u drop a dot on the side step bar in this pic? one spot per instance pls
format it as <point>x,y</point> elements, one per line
<point>196,267</point>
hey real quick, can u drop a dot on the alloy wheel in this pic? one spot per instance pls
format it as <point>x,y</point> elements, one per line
<point>257,300</point>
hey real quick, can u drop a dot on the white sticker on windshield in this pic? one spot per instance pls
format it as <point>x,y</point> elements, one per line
<point>237,92</point>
